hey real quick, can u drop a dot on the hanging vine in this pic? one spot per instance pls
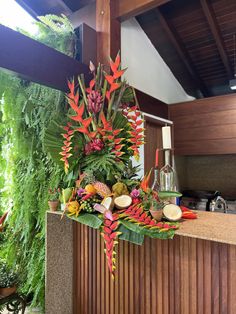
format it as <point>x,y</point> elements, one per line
<point>26,171</point>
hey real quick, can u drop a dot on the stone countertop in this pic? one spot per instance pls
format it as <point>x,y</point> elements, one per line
<point>210,226</point>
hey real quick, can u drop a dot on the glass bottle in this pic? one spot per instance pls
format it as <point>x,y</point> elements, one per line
<point>156,185</point>
<point>167,177</point>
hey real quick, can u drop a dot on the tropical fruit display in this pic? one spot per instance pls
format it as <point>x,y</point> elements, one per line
<point>96,140</point>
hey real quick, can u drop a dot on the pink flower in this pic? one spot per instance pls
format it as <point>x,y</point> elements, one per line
<point>80,192</point>
<point>94,101</point>
<point>135,193</point>
<point>93,146</point>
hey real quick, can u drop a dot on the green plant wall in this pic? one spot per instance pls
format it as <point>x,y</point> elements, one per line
<point>26,171</point>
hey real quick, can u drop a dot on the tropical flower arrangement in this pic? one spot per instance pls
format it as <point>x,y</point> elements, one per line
<point>103,131</point>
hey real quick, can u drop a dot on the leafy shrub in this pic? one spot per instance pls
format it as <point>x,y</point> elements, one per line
<point>8,278</point>
<point>26,171</point>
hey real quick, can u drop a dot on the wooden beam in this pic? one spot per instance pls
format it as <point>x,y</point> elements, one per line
<point>211,19</point>
<point>128,9</point>
<point>37,62</point>
<point>181,50</point>
<point>108,30</point>
<point>108,44</point>
<point>152,105</point>
<point>38,7</point>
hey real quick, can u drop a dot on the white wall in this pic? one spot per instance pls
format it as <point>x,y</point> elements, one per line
<point>85,15</point>
<point>146,69</point>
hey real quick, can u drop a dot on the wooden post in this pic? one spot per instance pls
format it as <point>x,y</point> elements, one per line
<point>108,30</point>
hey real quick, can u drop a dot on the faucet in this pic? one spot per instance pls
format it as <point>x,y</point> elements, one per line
<point>218,201</point>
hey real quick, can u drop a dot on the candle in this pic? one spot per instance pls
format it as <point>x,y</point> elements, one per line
<point>157,155</point>
<point>166,137</point>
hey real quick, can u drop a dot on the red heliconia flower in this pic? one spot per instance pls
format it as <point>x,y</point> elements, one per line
<point>66,148</point>
<point>134,117</point>
<point>136,214</point>
<point>73,100</point>
<point>144,185</point>
<point>112,79</point>
<point>110,235</point>
<point>93,146</point>
<point>94,101</point>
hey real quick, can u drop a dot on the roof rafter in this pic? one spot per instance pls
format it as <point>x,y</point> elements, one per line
<point>211,19</point>
<point>36,8</point>
<point>182,52</point>
<point>128,9</point>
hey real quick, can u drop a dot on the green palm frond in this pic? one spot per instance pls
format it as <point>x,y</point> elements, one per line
<point>103,166</point>
<point>59,24</point>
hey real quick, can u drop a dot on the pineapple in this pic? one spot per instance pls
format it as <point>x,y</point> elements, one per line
<point>102,189</point>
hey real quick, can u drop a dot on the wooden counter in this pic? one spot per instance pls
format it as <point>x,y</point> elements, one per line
<point>195,273</point>
<point>210,226</point>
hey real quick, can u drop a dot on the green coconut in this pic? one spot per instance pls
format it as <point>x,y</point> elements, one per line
<point>123,201</point>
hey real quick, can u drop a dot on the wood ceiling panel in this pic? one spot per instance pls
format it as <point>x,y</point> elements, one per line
<point>221,6</point>
<point>75,5</point>
<point>39,7</point>
<point>154,31</point>
<point>204,30</point>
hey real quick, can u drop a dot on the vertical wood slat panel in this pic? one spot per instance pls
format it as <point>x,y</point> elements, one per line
<point>193,276</point>
<point>182,275</point>
<point>231,280</point>
<point>200,276</point>
<point>207,276</point>
<point>223,263</point>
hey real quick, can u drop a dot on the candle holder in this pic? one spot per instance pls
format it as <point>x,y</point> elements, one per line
<point>167,174</point>
<point>156,184</point>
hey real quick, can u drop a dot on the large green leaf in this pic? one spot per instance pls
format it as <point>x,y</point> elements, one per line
<point>130,236</point>
<point>120,121</point>
<point>128,95</point>
<point>167,194</point>
<point>91,220</point>
<point>150,233</point>
<point>53,140</point>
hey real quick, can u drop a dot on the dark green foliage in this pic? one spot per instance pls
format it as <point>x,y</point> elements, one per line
<point>26,170</point>
<point>8,278</point>
<point>29,173</point>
